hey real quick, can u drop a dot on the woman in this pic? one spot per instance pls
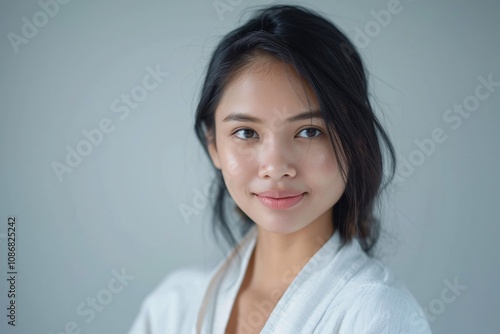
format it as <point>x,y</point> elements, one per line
<point>284,117</point>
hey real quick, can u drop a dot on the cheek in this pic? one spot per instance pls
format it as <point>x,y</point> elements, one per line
<point>237,173</point>
<point>237,161</point>
<point>322,159</point>
<point>322,167</point>
<point>237,166</point>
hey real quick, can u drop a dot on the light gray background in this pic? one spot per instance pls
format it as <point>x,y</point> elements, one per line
<point>120,208</point>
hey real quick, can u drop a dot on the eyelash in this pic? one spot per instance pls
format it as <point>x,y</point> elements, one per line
<point>310,128</point>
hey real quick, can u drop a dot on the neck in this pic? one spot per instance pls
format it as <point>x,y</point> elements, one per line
<point>278,258</point>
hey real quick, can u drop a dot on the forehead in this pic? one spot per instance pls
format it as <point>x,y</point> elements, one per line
<point>266,89</point>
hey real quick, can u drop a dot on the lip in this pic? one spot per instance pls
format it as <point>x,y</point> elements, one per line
<point>278,194</point>
<point>280,199</point>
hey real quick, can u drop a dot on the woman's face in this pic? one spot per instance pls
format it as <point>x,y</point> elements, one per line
<point>266,142</point>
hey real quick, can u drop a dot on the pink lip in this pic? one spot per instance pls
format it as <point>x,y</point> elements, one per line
<point>279,200</point>
<point>280,193</point>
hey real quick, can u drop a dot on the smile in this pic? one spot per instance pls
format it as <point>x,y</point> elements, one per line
<point>280,203</point>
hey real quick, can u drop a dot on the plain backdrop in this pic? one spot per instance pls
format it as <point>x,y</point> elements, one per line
<point>67,70</point>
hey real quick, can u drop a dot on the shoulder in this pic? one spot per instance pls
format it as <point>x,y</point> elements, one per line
<point>173,303</point>
<point>380,303</point>
<point>182,285</point>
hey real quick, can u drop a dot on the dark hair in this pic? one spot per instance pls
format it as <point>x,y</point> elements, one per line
<point>325,58</point>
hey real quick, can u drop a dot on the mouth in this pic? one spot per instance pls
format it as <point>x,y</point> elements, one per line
<point>280,203</point>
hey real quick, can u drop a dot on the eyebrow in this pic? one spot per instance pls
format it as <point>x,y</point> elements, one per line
<point>242,117</point>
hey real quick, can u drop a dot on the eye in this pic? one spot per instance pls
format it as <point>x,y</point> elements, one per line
<point>244,134</point>
<point>311,132</point>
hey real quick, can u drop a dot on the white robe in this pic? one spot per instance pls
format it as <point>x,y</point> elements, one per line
<point>340,290</point>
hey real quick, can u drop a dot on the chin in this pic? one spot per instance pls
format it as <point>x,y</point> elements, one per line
<point>278,226</point>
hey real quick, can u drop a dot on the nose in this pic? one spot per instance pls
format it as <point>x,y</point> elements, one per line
<point>276,161</point>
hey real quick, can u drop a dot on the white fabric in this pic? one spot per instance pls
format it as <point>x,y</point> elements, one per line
<point>339,290</point>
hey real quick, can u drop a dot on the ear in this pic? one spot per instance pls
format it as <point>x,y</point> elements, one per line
<point>212,150</point>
